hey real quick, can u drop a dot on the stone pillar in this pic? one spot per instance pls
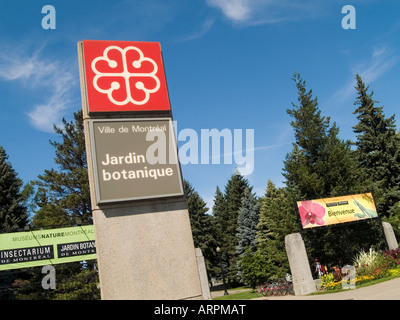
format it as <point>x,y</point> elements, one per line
<point>146,252</point>
<point>390,236</point>
<point>303,282</point>
<point>201,265</point>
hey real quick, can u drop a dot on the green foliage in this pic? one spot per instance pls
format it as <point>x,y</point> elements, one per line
<point>394,219</point>
<point>320,164</point>
<point>395,272</point>
<point>325,279</point>
<point>73,282</point>
<point>370,266</point>
<point>62,198</point>
<point>254,269</point>
<point>82,285</point>
<point>13,213</point>
<point>310,128</point>
<point>247,222</point>
<point>370,258</point>
<point>246,295</point>
<point>28,286</point>
<point>378,150</point>
<point>277,219</point>
<point>226,210</point>
<point>67,187</point>
<point>13,209</point>
<point>203,227</point>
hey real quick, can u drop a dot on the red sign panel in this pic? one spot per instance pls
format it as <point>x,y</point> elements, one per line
<point>124,76</point>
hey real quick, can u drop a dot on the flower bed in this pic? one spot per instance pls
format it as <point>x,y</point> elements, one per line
<point>369,266</point>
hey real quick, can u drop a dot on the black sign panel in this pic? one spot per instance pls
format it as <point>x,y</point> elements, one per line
<point>135,159</point>
<point>26,254</point>
<point>76,249</point>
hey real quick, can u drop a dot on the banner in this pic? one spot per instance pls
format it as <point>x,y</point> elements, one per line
<point>328,211</point>
<point>44,247</point>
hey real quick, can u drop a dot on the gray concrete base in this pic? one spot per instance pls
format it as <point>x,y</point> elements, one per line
<point>146,255</point>
<point>390,236</point>
<point>201,265</point>
<point>303,282</point>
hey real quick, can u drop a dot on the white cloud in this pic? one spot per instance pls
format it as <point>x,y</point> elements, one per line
<point>34,72</point>
<point>201,31</point>
<point>12,69</point>
<point>236,10</point>
<point>380,61</point>
<point>256,12</point>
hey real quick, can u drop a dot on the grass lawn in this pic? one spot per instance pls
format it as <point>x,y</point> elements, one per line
<point>246,295</point>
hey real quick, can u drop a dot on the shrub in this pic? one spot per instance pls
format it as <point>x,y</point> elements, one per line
<point>394,272</point>
<point>371,263</point>
<point>392,257</point>
<point>366,258</point>
<point>327,282</point>
<point>253,268</point>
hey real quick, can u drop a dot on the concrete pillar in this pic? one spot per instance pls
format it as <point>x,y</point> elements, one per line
<point>303,282</point>
<point>201,265</point>
<point>390,236</point>
<point>146,252</point>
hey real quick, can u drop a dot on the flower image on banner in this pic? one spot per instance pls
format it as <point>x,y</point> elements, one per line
<point>328,211</point>
<point>311,213</point>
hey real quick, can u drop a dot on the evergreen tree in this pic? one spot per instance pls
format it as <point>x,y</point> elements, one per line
<point>378,148</point>
<point>310,128</point>
<point>247,222</point>
<point>246,233</point>
<point>226,211</point>
<point>13,212</point>
<point>64,194</point>
<point>320,164</point>
<point>253,268</point>
<point>277,219</point>
<point>63,198</point>
<point>218,210</point>
<point>202,225</point>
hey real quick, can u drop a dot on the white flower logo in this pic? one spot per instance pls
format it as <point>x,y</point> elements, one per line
<point>124,75</point>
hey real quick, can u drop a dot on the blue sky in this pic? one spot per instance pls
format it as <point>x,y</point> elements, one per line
<point>228,64</point>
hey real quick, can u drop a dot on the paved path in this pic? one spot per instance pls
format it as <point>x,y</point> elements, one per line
<point>388,290</point>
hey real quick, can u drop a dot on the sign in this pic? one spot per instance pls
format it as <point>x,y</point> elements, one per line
<point>134,159</point>
<point>329,211</point>
<point>124,76</point>
<point>43,247</point>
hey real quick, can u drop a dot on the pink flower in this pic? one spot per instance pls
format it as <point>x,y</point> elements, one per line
<point>311,213</point>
